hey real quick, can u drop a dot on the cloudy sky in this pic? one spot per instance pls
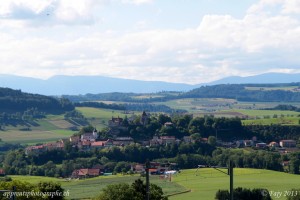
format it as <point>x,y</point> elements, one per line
<point>186,41</point>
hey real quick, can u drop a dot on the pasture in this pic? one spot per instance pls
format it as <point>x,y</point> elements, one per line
<point>284,88</point>
<point>220,107</point>
<point>270,121</point>
<point>89,188</point>
<point>34,136</point>
<point>207,181</point>
<point>203,183</point>
<point>262,113</point>
<point>51,128</point>
<point>99,117</point>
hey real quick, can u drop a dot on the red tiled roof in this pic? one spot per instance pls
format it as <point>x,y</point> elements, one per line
<point>85,143</point>
<point>91,172</point>
<point>152,170</point>
<point>99,143</point>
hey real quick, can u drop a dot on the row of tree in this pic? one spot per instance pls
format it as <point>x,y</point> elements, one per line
<point>241,93</point>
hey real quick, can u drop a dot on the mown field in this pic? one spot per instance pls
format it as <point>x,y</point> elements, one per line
<point>55,127</point>
<point>269,121</point>
<point>220,107</point>
<point>99,117</point>
<point>203,184</point>
<point>51,128</point>
<point>89,188</point>
<point>286,88</point>
<point>263,113</point>
<point>207,181</point>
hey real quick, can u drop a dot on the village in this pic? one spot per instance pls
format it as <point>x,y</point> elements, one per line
<point>90,141</point>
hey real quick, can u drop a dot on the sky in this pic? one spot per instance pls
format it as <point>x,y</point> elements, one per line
<point>182,41</point>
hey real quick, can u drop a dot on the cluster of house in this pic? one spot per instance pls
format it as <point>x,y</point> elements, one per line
<point>88,141</point>
<point>261,145</point>
<point>46,147</point>
<point>97,170</point>
<point>85,141</point>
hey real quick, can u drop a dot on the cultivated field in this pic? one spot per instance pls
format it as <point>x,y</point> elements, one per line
<point>269,121</point>
<point>99,117</point>
<point>220,107</point>
<point>51,128</point>
<point>202,105</point>
<point>286,88</point>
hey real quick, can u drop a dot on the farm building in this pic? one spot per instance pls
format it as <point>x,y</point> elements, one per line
<point>287,143</point>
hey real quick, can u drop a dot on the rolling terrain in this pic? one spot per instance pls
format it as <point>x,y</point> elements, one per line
<point>203,183</point>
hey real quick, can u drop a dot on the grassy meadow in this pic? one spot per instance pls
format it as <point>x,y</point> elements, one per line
<point>207,181</point>
<point>220,107</point>
<point>203,183</point>
<point>51,128</point>
<point>99,117</point>
<point>89,188</point>
<point>269,121</point>
<point>285,88</point>
<point>55,127</point>
<point>262,113</point>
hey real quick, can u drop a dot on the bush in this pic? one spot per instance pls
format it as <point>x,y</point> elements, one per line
<point>294,194</point>
<point>244,194</point>
<point>135,191</point>
<point>5,179</point>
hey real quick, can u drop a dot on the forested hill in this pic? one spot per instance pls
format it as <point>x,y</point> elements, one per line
<point>17,101</point>
<point>241,92</point>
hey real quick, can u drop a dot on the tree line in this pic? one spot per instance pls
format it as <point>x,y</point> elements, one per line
<point>240,93</point>
<point>232,91</point>
<point>17,101</point>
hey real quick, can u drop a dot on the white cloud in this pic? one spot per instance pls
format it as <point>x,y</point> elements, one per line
<point>45,12</point>
<point>221,45</point>
<point>137,2</point>
<point>291,7</point>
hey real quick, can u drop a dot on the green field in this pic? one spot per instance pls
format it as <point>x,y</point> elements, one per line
<point>204,183</point>
<point>33,137</point>
<point>89,188</point>
<point>99,117</point>
<point>220,107</point>
<point>51,128</point>
<point>55,127</point>
<point>208,181</point>
<point>200,105</point>
<point>261,113</point>
<point>286,88</point>
<point>279,120</point>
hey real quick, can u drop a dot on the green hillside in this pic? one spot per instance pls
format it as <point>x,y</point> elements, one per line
<point>89,188</point>
<point>207,181</point>
<point>50,128</point>
<point>204,183</point>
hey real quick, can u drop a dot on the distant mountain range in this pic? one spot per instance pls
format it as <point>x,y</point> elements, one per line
<point>75,85</point>
<point>262,78</point>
